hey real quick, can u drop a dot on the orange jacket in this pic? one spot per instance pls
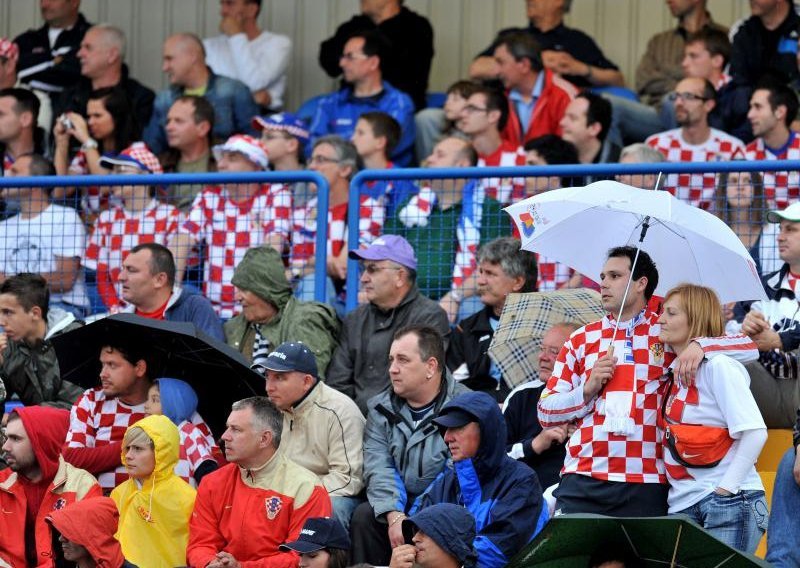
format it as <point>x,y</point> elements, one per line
<point>249,513</point>
<point>70,484</point>
<point>556,95</point>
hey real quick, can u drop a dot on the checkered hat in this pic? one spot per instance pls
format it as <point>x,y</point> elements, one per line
<point>137,154</point>
<point>285,121</point>
<point>246,145</point>
<point>8,48</point>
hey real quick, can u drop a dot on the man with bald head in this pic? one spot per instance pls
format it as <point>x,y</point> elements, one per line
<point>102,62</point>
<point>184,62</point>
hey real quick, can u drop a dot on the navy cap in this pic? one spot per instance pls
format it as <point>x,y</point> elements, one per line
<point>291,356</point>
<point>318,533</point>
<point>454,418</point>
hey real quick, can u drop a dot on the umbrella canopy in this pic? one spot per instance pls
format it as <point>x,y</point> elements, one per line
<point>526,318</point>
<point>577,226</point>
<point>218,373</point>
<point>676,542</point>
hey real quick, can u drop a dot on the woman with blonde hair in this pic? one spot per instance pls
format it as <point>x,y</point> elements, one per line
<point>713,431</point>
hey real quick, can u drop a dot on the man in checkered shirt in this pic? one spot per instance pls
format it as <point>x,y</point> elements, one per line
<point>614,462</point>
<point>695,141</point>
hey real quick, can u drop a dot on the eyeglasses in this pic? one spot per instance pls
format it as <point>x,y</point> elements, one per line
<point>472,108</point>
<point>319,160</point>
<point>353,56</point>
<point>375,268</point>
<point>688,97</point>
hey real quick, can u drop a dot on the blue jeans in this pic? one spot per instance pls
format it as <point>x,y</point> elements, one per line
<point>784,524</point>
<point>343,508</point>
<point>737,520</point>
<point>631,121</point>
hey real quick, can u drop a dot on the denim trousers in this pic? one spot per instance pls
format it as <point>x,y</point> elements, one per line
<point>737,520</point>
<point>783,537</point>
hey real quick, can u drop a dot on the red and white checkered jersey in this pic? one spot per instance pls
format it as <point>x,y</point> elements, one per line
<point>93,200</point>
<point>781,189</point>
<point>552,274</point>
<point>304,227</point>
<point>504,190</point>
<point>195,449</point>
<point>97,421</point>
<point>591,451</point>
<point>696,189</point>
<point>116,232</point>
<point>229,229</point>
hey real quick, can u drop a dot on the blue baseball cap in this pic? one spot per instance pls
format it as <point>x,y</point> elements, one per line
<point>290,356</point>
<point>388,247</point>
<point>285,121</point>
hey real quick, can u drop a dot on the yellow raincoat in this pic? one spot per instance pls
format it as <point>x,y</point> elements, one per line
<point>154,517</point>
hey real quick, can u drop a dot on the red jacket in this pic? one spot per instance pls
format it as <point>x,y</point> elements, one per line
<point>557,93</point>
<point>250,513</point>
<point>70,484</point>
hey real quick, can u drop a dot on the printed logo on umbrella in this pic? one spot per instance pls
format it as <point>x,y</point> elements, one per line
<point>528,225</point>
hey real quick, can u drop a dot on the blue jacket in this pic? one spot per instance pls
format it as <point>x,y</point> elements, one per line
<point>195,308</point>
<point>502,494</point>
<point>338,113</point>
<point>233,104</point>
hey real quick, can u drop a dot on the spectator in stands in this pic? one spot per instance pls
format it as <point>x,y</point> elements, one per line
<point>365,91</point>
<point>434,123</point>
<point>28,363</point>
<point>48,56</point>
<point>772,324</point>
<point>765,44</point>
<point>37,481</point>
<point>542,449</point>
<point>773,107</point>
<point>109,128</point>
<point>335,159</point>
<point>403,452</point>
<point>154,504</point>
<point>565,51</point>
<point>625,479</point>
<point>177,400</point>
<point>537,96</point>
<point>359,367</point>
<point>85,532</point>
<point>323,429</point>
<point>503,269</point>
<point>233,218</point>
<point>784,524</point>
<point>503,495</point>
<point>285,137</point>
<point>640,153</point>
<point>482,120</point>
<point>323,543</point>
<point>9,57</point>
<point>443,537</point>
<point>257,58</point>
<point>694,141</point>
<point>44,238</point>
<point>446,223</point>
<point>188,73</point>
<point>733,430</point>
<point>102,59</point>
<point>190,123</point>
<point>261,484</point>
<point>410,38</point>
<point>271,315</point>
<point>585,124</point>
<point>375,137</point>
<point>138,218</point>
<point>19,112</point>
<point>119,402</point>
<point>148,287</point>
<point>548,150</point>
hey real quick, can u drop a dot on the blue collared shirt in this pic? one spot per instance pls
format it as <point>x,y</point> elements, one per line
<point>525,110</point>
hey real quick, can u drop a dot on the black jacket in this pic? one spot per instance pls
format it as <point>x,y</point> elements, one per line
<point>34,49</point>
<point>757,51</point>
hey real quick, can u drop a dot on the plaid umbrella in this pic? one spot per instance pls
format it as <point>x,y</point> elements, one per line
<point>568,541</point>
<point>525,319</point>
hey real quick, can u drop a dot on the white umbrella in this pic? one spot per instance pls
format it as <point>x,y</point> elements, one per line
<point>577,226</point>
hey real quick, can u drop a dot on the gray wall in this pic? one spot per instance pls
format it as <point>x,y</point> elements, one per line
<point>461,27</point>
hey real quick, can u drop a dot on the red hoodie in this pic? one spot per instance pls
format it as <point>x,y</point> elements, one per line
<point>26,538</point>
<point>91,523</point>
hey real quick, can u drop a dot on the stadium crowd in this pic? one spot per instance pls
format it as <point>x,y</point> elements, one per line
<point>386,435</point>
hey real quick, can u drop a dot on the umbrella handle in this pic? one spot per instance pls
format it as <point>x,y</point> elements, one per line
<point>610,351</point>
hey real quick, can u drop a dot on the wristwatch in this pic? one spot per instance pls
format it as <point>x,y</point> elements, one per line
<point>90,144</point>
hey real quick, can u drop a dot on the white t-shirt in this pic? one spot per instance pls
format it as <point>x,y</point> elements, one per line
<point>721,397</point>
<point>32,245</point>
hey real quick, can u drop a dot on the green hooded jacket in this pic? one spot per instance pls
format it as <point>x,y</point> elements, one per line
<point>261,271</point>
